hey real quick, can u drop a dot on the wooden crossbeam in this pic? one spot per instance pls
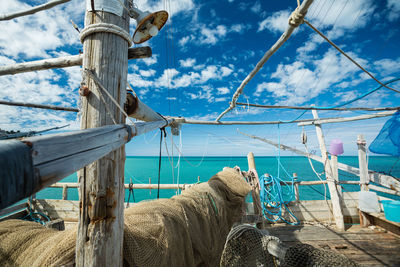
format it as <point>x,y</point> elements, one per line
<point>64,62</point>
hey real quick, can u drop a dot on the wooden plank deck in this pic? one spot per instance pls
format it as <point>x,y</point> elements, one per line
<point>371,246</point>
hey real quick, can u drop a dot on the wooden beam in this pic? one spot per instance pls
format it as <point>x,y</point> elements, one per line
<point>13,209</point>
<point>64,62</point>
<point>126,186</point>
<point>379,178</point>
<point>317,108</point>
<point>362,162</point>
<point>31,105</point>
<point>140,111</point>
<point>99,239</point>
<point>188,121</point>
<point>32,10</point>
<point>333,190</point>
<point>300,11</point>
<point>40,161</point>
<point>356,118</point>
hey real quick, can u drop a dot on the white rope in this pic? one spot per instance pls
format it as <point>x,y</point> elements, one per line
<point>97,81</point>
<point>105,28</point>
<point>106,105</point>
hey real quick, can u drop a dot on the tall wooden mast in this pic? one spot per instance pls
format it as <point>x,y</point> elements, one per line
<point>101,194</point>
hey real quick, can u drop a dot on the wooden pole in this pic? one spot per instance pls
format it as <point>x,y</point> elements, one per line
<point>292,25</point>
<point>317,108</point>
<point>255,184</point>
<point>335,196</point>
<point>362,162</point>
<point>355,118</point>
<point>364,179</point>
<point>296,187</point>
<point>250,161</point>
<point>31,105</point>
<point>32,10</point>
<point>64,62</point>
<point>65,192</point>
<point>379,178</point>
<point>335,174</point>
<point>101,195</point>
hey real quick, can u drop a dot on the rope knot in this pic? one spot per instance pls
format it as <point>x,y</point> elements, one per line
<point>296,18</point>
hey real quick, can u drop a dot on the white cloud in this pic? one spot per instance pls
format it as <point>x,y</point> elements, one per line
<point>189,62</point>
<point>349,15</point>
<point>174,7</point>
<point>151,60</point>
<point>147,73</point>
<point>394,9</point>
<point>226,71</point>
<point>212,36</point>
<point>278,22</point>
<point>240,28</point>
<point>44,31</point>
<point>223,90</point>
<point>220,99</point>
<point>296,83</point>
<point>387,66</point>
<point>184,40</point>
<point>256,8</point>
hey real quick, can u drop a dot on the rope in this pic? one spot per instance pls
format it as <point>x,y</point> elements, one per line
<point>97,81</point>
<point>296,18</point>
<point>106,105</point>
<point>284,37</point>
<point>162,130</point>
<point>130,192</point>
<point>352,60</point>
<point>105,28</point>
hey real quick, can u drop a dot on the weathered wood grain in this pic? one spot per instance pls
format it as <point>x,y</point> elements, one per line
<point>64,62</point>
<point>334,191</point>
<point>101,193</point>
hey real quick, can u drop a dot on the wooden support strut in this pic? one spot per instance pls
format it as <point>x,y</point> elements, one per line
<point>34,163</point>
<point>379,178</point>
<point>333,190</point>
<point>101,194</point>
<point>64,62</point>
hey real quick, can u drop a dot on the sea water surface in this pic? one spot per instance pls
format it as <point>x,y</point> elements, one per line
<point>144,170</point>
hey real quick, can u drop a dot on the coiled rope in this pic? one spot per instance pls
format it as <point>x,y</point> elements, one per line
<point>105,28</point>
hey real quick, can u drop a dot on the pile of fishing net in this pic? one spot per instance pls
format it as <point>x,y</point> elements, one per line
<point>25,243</point>
<point>187,230</point>
<point>249,246</point>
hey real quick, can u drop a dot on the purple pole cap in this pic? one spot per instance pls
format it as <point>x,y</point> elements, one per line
<point>336,147</point>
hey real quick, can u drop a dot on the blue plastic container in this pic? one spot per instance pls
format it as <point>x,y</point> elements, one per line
<point>392,210</point>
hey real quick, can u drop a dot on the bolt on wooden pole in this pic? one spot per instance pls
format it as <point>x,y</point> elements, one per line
<point>101,193</point>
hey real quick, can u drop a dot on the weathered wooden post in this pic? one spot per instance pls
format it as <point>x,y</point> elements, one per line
<point>335,196</point>
<point>362,162</point>
<point>364,177</point>
<point>296,187</point>
<point>100,228</point>
<point>255,184</point>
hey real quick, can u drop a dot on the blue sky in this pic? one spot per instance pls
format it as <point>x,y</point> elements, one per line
<point>201,56</point>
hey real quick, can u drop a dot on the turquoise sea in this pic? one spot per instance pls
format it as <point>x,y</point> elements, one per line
<point>143,169</point>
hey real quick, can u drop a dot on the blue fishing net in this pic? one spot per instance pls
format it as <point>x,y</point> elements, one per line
<point>388,140</point>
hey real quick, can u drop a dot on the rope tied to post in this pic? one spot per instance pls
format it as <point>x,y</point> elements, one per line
<point>105,28</point>
<point>296,18</point>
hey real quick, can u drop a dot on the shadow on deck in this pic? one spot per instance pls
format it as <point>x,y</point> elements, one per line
<point>366,246</point>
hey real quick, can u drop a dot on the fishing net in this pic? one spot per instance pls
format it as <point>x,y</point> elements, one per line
<point>186,230</point>
<point>388,140</point>
<point>303,255</point>
<point>24,243</point>
<point>247,246</point>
